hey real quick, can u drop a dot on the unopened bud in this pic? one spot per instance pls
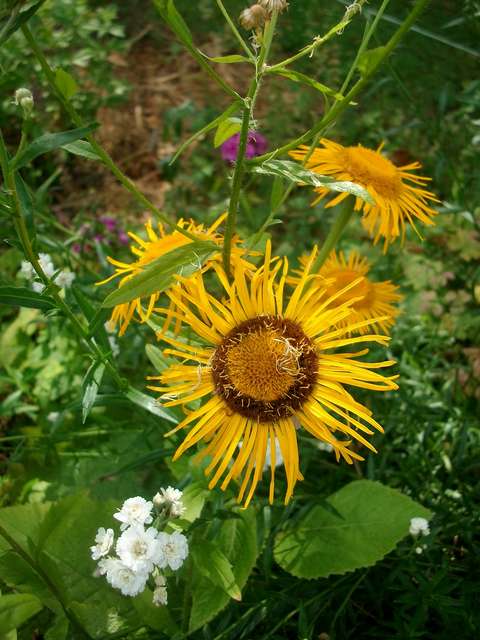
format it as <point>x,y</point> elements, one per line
<point>24,99</point>
<point>274,5</point>
<point>253,17</point>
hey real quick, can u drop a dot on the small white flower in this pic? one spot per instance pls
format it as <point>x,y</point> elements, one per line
<point>26,270</point>
<point>53,416</point>
<point>135,512</point>
<point>418,550</point>
<point>38,287</point>
<point>46,263</point>
<point>104,540</point>
<point>419,525</point>
<point>453,494</point>
<point>170,500</point>
<point>109,326</point>
<point>160,596</point>
<point>129,582</point>
<point>65,278</point>
<point>113,345</point>
<point>268,457</point>
<point>137,547</point>
<point>323,446</point>
<point>171,550</point>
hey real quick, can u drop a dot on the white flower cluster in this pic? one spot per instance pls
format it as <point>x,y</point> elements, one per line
<point>141,552</point>
<point>419,526</point>
<point>63,279</point>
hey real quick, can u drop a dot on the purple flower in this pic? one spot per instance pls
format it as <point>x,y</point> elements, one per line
<point>108,222</point>
<point>256,146</point>
<point>123,237</point>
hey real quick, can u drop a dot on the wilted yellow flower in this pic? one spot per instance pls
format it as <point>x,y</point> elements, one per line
<point>397,202</point>
<point>157,244</point>
<point>253,17</point>
<point>373,299</point>
<point>268,365</point>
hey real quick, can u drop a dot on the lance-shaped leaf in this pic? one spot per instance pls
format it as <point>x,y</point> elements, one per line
<point>13,20</point>
<point>357,527</point>
<point>231,59</point>
<point>82,148</point>
<point>296,76</point>
<point>160,273</point>
<point>296,173</point>
<point>66,83</point>
<point>49,142</point>
<point>214,565</point>
<point>23,297</point>
<point>226,129</point>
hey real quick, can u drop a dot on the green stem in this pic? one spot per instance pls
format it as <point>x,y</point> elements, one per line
<point>341,105</point>
<point>335,232</point>
<point>44,576</point>
<point>99,150</point>
<point>249,104</point>
<point>235,31</point>
<point>364,44</point>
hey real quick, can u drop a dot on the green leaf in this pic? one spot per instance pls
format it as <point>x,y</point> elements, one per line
<point>212,563</point>
<point>177,24</point>
<point>294,172</point>
<point>303,79</point>
<point>23,297</point>
<point>15,20</point>
<point>227,59</point>
<point>157,618</point>
<point>369,60</point>
<point>226,129</point>
<point>208,127</point>
<point>15,609</point>
<point>160,273</point>
<point>90,384</point>
<point>237,541</point>
<point>59,629</point>
<point>66,83</point>
<point>82,148</point>
<point>26,203</point>
<point>276,195</point>
<point>194,496</point>
<point>156,357</point>
<point>363,522</point>
<point>150,404</point>
<point>49,142</point>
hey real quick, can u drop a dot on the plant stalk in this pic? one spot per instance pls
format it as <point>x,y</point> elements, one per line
<point>334,234</point>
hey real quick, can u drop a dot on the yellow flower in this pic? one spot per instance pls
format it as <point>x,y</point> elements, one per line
<point>373,299</point>
<point>400,195</point>
<point>268,366</point>
<point>158,243</point>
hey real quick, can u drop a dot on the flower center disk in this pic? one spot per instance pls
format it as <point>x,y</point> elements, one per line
<point>265,368</point>
<point>369,167</point>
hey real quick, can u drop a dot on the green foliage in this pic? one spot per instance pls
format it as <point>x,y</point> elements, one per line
<point>355,528</point>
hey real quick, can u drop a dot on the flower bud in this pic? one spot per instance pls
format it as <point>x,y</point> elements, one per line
<point>253,17</point>
<point>24,99</point>
<point>274,5</point>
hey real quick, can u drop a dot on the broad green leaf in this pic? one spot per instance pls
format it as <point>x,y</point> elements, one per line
<point>15,609</point>
<point>212,563</point>
<point>150,404</point>
<point>23,297</point>
<point>227,59</point>
<point>363,522</point>
<point>303,79</point>
<point>15,20</point>
<point>90,385</point>
<point>294,172</point>
<point>66,83</point>
<point>157,618</point>
<point>277,193</point>
<point>59,629</point>
<point>226,129</point>
<point>49,142</point>
<point>369,60</point>
<point>82,148</point>
<point>194,496</point>
<point>237,541</point>
<point>160,273</point>
<point>208,127</point>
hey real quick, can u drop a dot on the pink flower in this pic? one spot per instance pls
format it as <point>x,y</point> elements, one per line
<point>256,146</point>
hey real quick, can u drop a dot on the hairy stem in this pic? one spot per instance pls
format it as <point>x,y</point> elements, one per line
<point>249,104</point>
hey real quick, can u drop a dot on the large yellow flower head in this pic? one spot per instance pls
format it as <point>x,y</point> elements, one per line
<point>374,300</point>
<point>157,244</point>
<point>267,366</point>
<point>400,195</point>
